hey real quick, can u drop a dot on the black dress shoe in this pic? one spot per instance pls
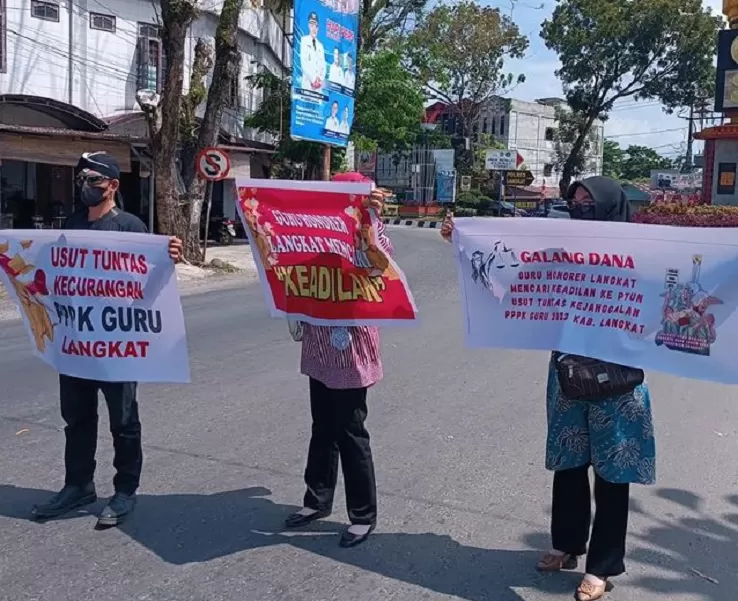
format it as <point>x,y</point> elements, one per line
<point>348,539</point>
<point>67,499</point>
<point>297,520</point>
<point>116,511</point>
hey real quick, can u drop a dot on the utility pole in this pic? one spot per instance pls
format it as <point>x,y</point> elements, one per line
<point>688,158</point>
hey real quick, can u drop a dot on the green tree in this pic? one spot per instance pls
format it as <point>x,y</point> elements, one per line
<point>175,135</point>
<point>640,160</point>
<point>389,106</point>
<point>458,53</point>
<point>569,127</point>
<point>612,159</point>
<point>615,49</point>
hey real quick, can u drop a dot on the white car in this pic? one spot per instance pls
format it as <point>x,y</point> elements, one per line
<point>559,211</point>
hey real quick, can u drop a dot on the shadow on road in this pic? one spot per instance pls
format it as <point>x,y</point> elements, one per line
<point>194,528</point>
<point>698,549</point>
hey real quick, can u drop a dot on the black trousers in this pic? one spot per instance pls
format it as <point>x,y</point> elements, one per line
<point>79,400</point>
<point>572,516</point>
<point>338,430</point>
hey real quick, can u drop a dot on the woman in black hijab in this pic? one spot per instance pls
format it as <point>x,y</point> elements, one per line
<point>614,436</point>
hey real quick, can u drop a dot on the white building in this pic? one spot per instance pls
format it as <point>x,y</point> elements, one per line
<point>69,72</point>
<point>529,128</point>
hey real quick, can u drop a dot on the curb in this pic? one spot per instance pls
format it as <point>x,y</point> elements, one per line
<point>412,222</point>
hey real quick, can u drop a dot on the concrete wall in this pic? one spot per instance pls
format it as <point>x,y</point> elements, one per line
<point>104,64</point>
<point>726,151</point>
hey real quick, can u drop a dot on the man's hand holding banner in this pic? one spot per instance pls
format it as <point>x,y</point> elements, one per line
<point>98,305</point>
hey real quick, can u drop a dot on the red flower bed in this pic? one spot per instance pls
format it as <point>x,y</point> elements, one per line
<point>688,215</point>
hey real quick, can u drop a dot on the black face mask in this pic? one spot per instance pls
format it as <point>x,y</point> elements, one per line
<point>585,211</point>
<point>91,195</point>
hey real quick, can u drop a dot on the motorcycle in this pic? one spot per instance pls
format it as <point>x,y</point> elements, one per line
<point>220,230</point>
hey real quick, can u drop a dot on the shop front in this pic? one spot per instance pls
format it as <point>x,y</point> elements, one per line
<point>37,187</point>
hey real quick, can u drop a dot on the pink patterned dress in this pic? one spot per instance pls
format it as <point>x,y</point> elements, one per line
<point>344,357</point>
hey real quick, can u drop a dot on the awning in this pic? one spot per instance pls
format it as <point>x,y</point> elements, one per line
<point>59,151</point>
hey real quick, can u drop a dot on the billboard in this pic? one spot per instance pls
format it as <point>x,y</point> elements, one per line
<point>324,70</point>
<point>726,82</point>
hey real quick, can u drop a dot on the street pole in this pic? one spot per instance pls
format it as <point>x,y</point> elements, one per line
<point>209,201</point>
<point>326,175</point>
<point>688,159</point>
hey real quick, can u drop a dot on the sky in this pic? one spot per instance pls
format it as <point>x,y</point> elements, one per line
<point>642,123</point>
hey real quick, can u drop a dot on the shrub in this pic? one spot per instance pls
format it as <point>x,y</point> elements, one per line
<point>688,215</point>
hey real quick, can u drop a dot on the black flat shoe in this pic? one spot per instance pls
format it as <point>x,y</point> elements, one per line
<point>67,499</point>
<point>297,520</point>
<point>116,511</point>
<point>348,539</point>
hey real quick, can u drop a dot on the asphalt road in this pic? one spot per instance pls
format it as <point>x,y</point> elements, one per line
<point>458,437</point>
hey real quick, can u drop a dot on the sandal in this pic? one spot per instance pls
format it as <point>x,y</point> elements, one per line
<point>589,591</point>
<point>552,562</point>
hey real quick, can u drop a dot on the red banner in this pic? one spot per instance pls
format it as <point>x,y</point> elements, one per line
<point>319,254</point>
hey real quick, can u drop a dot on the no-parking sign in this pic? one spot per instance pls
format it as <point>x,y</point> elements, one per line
<point>213,164</point>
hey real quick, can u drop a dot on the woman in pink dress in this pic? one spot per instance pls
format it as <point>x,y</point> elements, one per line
<point>342,363</point>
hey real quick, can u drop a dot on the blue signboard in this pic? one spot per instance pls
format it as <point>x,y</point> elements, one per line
<point>324,70</point>
<point>446,186</point>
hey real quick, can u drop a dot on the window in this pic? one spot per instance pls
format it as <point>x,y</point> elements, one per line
<point>548,170</point>
<point>494,126</point>
<point>47,11</point>
<point>147,30</point>
<point>102,22</point>
<point>484,125</point>
<point>502,125</point>
<point>3,45</point>
<point>151,59</point>
<point>233,99</point>
<point>549,134</point>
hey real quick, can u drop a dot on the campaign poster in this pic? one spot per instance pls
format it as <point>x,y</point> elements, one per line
<point>322,255</point>
<point>650,296</point>
<point>324,70</point>
<point>98,305</point>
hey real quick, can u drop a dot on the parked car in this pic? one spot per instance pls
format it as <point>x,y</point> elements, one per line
<point>558,211</point>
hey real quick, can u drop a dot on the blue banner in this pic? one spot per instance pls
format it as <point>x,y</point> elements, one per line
<point>446,186</point>
<point>324,70</point>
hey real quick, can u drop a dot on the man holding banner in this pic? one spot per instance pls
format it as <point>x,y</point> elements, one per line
<point>98,180</point>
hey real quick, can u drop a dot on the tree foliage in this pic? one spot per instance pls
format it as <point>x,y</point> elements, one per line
<point>612,159</point>
<point>458,52</point>
<point>615,49</point>
<point>638,161</point>
<point>389,105</point>
<point>569,127</point>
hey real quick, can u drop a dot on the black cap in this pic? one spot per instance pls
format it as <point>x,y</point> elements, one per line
<point>313,16</point>
<point>100,162</point>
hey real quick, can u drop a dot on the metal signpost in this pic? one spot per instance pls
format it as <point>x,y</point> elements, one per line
<point>213,165</point>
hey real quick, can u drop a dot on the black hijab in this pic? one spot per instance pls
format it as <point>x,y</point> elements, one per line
<point>611,204</point>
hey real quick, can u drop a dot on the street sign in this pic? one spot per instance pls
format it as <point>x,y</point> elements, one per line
<point>213,164</point>
<point>465,183</point>
<point>502,160</point>
<point>518,178</point>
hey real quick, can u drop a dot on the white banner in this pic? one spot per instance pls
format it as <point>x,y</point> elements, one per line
<point>98,305</point>
<point>649,296</point>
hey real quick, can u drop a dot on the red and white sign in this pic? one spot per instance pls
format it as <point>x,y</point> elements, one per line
<point>213,164</point>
